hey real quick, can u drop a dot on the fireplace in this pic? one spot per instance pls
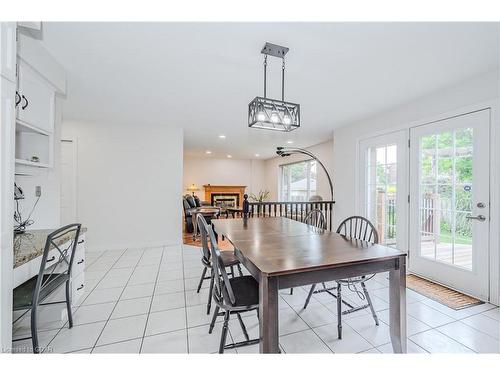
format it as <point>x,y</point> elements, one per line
<point>224,195</point>
<point>225,199</point>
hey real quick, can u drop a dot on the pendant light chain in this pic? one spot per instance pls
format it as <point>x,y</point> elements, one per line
<point>283,81</point>
<point>265,75</point>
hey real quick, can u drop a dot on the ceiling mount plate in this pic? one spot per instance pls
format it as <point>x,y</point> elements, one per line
<point>274,50</point>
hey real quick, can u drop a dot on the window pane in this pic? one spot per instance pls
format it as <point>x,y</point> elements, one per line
<point>463,241</point>
<point>444,235</point>
<point>381,155</point>
<point>463,170</point>
<point>298,181</point>
<point>445,170</point>
<point>463,198</point>
<point>392,154</point>
<point>428,167</point>
<point>381,180</point>
<point>445,196</point>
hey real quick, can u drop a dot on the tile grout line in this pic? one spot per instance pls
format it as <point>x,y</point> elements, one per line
<point>185,300</point>
<point>152,298</point>
<point>310,328</point>
<point>78,307</point>
<point>118,300</point>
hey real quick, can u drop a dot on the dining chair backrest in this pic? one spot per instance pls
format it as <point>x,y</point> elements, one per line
<point>358,227</point>
<point>316,218</point>
<point>222,283</point>
<point>204,238</point>
<point>60,264</point>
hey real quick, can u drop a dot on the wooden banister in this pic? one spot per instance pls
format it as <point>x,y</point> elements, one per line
<point>293,210</point>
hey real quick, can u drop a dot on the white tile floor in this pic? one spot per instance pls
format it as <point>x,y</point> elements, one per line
<point>145,301</point>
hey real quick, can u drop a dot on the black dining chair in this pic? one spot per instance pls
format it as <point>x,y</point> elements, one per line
<point>316,218</point>
<point>360,228</point>
<point>54,272</point>
<point>228,259</point>
<point>234,295</point>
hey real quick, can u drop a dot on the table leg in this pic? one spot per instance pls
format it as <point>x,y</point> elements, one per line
<point>195,225</point>
<point>397,307</point>
<point>268,315</point>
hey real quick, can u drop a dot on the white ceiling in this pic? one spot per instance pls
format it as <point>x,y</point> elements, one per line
<point>201,76</point>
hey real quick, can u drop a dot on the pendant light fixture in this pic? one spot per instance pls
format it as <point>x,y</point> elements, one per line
<point>272,114</point>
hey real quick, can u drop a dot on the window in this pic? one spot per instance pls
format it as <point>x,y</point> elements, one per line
<point>298,181</point>
<point>383,197</point>
<point>381,190</point>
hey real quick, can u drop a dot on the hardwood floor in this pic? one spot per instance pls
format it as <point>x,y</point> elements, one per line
<point>187,239</point>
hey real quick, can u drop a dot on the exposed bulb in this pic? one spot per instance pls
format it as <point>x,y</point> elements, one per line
<point>287,120</point>
<point>261,116</point>
<point>274,117</point>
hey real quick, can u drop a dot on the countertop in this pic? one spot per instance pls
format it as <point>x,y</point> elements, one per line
<point>29,245</point>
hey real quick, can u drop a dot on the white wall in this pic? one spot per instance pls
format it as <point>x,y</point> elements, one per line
<point>47,212</point>
<point>346,138</point>
<point>208,170</point>
<point>323,151</point>
<point>129,183</point>
<point>473,94</point>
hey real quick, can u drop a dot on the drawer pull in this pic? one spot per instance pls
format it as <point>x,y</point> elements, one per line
<point>80,287</point>
<point>80,262</point>
<point>51,259</point>
<point>23,107</point>
<point>82,241</point>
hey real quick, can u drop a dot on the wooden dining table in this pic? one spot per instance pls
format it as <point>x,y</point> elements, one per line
<point>282,253</point>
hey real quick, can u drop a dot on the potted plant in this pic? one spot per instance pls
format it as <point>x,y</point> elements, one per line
<point>262,196</point>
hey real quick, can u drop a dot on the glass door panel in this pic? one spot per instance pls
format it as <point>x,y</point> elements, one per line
<point>449,240</point>
<point>383,187</point>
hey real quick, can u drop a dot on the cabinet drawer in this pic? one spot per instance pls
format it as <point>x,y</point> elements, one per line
<point>77,287</point>
<point>78,262</point>
<point>81,242</point>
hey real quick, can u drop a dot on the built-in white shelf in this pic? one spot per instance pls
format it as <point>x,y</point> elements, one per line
<point>22,126</point>
<point>32,163</point>
<point>32,141</point>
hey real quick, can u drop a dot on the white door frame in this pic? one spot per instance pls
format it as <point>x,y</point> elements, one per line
<point>493,105</point>
<point>400,139</point>
<point>459,278</point>
<point>74,140</point>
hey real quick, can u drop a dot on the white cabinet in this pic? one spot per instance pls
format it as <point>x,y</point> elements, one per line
<point>27,270</point>
<point>37,104</point>
<point>77,273</point>
<point>8,50</point>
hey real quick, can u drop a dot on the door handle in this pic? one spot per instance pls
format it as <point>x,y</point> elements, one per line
<point>478,217</point>
<point>26,105</point>
<point>18,98</point>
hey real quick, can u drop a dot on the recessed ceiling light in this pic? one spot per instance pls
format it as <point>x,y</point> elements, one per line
<point>222,136</point>
<point>229,156</point>
<point>257,155</point>
<point>289,142</point>
<point>208,152</point>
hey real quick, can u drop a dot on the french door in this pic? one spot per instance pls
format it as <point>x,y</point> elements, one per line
<point>449,205</point>
<point>383,193</point>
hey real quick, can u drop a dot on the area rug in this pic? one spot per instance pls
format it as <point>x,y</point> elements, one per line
<point>188,240</point>
<point>451,298</point>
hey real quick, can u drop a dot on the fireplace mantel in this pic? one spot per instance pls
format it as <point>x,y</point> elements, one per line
<point>224,189</point>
